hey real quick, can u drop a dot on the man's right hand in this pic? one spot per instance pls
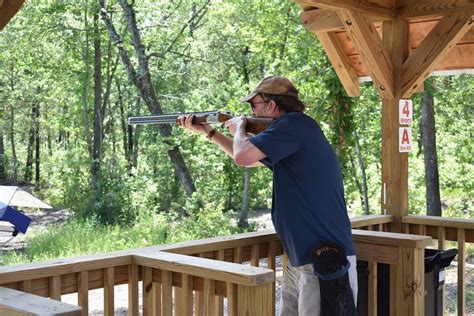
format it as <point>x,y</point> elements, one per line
<point>186,121</point>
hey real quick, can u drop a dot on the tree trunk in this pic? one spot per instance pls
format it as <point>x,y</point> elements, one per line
<point>37,144</point>
<point>357,182</point>
<point>433,199</point>
<point>85,90</point>
<point>143,83</point>
<point>243,220</point>
<point>362,171</point>
<point>3,175</point>
<point>31,142</point>
<point>98,115</point>
<point>12,142</point>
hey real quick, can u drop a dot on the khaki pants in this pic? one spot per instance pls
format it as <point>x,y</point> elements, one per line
<point>300,289</point>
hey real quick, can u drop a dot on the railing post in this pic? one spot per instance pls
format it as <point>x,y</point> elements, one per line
<point>255,300</point>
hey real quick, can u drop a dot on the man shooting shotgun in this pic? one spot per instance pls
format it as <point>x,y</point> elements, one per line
<point>308,207</point>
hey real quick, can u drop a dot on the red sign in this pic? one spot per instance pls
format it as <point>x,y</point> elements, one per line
<point>405,111</point>
<point>404,139</point>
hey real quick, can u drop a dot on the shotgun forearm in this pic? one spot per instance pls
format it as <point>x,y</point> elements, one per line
<point>254,125</point>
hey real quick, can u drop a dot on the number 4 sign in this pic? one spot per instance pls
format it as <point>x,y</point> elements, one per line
<point>405,111</point>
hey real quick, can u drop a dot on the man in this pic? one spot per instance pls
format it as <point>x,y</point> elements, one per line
<point>308,205</point>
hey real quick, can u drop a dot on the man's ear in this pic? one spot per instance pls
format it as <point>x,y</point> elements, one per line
<point>273,106</point>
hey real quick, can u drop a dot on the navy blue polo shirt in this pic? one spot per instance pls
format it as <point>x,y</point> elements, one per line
<point>308,204</point>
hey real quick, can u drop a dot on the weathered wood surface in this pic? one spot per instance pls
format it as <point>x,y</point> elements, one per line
<point>14,302</point>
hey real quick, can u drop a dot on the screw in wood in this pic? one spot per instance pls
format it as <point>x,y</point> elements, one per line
<point>382,88</point>
<point>348,22</point>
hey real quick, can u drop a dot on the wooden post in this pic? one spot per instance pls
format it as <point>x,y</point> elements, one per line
<point>394,163</point>
<point>255,300</point>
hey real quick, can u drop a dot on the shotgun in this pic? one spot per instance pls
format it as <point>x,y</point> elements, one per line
<point>254,125</point>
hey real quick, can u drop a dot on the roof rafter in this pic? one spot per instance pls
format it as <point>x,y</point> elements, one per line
<point>340,62</point>
<point>424,8</point>
<point>369,45</point>
<point>433,49</point>
<point>381,9</point>
<point>321,20</point>
<point>8,9</point>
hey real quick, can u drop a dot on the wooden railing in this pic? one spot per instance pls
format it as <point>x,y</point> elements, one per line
<point>185,270</point>
<point>446,229</point>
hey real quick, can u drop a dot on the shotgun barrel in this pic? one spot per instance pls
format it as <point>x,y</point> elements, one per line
<point>254,125</point>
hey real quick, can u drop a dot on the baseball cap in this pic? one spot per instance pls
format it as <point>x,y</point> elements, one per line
<point>273,85</point>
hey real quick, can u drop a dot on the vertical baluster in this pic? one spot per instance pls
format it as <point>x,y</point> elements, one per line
<point>441,238</point>
<point>238,255</point>
<point>372,295</point>
<point>133,290</point>
<point>83,291</point>
<point>167,293</point>
<point>255,255</point>
<point>55,287</point>
<point>254,300</point>
<point>187,291</point>
<point>209,302</point>
<point>284,261</point>
<point>219,300</point>
<point>271,264</point>
<point>156,289</point>
<point>232,309</point>
<point>109,281</point>
<point>461,271</point>
<point>199,300</point>
<point>25,286</point>
<point>380,227</point>
<point>147,290</point>
<point>178,299</point>
<point>370,227</point>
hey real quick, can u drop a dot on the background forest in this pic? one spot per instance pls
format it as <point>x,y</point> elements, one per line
<point>72,72</point>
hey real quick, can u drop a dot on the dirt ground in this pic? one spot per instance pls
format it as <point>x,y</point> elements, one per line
<point>48,218</point>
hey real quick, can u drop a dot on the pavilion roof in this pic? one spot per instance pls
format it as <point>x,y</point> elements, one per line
<point>8,8</point>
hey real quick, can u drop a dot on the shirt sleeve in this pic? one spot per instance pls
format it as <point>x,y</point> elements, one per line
<point>278,141</point>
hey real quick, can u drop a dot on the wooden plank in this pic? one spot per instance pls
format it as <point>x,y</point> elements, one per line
<point>338,58</point>
<point>271,264</point>
<point>209,301</point>
<point>8,9</point>
<point>366,220</point>
<point>382,9</point>
<point>321,21</point>
<point>14,302</point>
<point>390,239</point>
<point>379,253</point>
<point>461,272</point>
<point>187,287</point>
<point>433,49</point>
<point>167,293</point>
<point>467,224</point>
<point>254,300</point>
<point>219,300</point>
<point>109,293</point>
<point>372,295</point>
<point>133,290</point>
<point>206,268</point>
<point>232,308</point>
<point>83,291</point>
<point>413,282</point>
<point>55,287</point>
<point>426,8</point>
<point>147,290</point>
<point>255,255</point>
<point>441,238</point>
<point>25,286</point>
<point>363,34</point>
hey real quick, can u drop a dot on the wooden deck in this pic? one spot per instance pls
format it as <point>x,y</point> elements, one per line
<point>199,277</point>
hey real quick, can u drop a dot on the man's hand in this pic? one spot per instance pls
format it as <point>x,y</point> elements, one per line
<point>236,123</point>
<point>186,121</point>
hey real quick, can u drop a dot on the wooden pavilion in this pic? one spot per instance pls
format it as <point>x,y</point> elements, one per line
<point>398,43</point>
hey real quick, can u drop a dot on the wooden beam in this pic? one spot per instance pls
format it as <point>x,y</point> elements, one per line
<point>340,62</point>
<point>449,30</point>
<point>8,9</point>
<point>426,8</point>
<point>368,43</point>
<point>381,9</point>
<point>394,164</point>
<point>321,21</point>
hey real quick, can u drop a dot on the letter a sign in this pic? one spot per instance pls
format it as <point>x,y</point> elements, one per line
<point>405,111</point>
<point>404,139</point>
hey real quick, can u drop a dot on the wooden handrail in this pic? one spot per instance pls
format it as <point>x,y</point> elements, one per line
<point>370,220</point>
<point>14,302</point>
<point>439,221</point>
